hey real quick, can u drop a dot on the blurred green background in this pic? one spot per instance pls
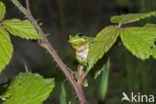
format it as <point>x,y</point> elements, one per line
<point>59,18</point>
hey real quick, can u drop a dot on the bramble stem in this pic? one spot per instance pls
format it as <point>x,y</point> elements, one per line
<point>46,44</point>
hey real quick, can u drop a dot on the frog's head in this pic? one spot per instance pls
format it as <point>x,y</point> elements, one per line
<point>77,40</point>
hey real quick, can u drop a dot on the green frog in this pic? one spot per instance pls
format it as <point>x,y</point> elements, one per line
<point>81,45</point>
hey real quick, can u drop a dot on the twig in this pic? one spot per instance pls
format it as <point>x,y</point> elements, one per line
<point>45,43</point>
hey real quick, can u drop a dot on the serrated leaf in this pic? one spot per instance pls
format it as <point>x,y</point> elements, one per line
<point>6,48</point>
<point>2,10</point>
<point>129,18</point>
<point>150,25</point>
<point>28,88</point>
<point>23,29</point>
<point>140,41</point>
<point>102,43</point>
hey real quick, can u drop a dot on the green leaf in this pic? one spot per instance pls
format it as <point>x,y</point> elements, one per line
<point>28,88</point>
<point>102,43</point>
<point>2,10</point>
<point>140,41</point>
<point>62,94</point>
<point>150,25</point>
<point>6,48</point>
<point>129,18</point>
<point>23,29</point>
<point>104,82</point>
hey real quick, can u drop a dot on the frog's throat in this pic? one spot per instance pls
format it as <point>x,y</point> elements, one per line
<point>82,56</point>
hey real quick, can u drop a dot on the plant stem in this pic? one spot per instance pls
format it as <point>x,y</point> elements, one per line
<point>64,68</point>
<point>45,43</point>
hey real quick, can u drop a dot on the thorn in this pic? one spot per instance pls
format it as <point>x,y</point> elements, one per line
<point>41,24</point>
<point>48,34</point>
<point>37,20</point>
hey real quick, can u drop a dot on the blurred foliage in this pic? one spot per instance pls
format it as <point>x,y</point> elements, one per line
<point>104,82</point>
<point>124,3</point>
<point>63,95</point>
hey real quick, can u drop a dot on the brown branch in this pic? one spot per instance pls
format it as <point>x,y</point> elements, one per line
<point>64,68</point>
<point>45,43</point>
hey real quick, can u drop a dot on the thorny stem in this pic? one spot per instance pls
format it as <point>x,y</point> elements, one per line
<point>45,43</point>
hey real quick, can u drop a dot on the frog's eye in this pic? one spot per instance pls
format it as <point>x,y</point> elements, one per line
<point>91,43</point>
<point>80,35</point>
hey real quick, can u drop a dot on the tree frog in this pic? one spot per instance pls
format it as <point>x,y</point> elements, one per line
<point>81,46</point>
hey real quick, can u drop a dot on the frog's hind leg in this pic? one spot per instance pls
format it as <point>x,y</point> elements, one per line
<point>81,74</point>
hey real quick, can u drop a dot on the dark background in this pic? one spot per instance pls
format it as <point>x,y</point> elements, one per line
<point>59,18</point>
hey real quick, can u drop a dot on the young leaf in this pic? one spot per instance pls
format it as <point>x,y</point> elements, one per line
<point>102,43</point>
<point>62,94</point>
<point>150,25</point>
<point>104,82</point>
<point>140,41</point>
<point>28,88</point>
<point>2,10</point>
<point>23,29</point>
<point>6,48</point>
<point>129,18</point>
